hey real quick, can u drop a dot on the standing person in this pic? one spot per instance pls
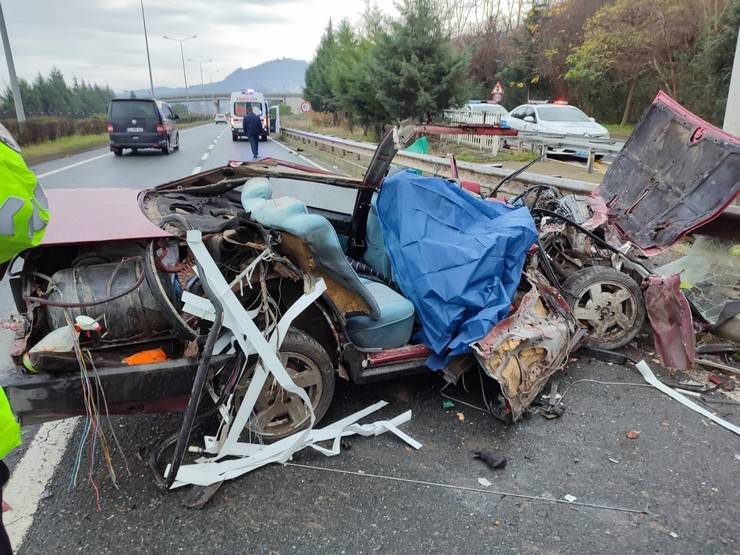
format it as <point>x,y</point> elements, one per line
<point>24,213</point>
<point>252,125</point>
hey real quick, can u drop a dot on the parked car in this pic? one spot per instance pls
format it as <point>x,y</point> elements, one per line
<point>142,123</point>
<point>220,118</point>
<point>556,118</point>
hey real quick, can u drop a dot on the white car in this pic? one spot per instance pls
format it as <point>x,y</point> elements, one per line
<point>558,118</point>
<point>220,118</point>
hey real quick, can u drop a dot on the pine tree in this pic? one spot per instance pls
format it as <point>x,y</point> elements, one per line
<point>318,86</point>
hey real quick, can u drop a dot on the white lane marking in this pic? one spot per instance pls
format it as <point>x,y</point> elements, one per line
<point>88,160</point>
<point>294,153</point>
<point>205,156</point>
<point>81,162</point>
<point>196,169</point>
<point>32,475</point>
<point>210,147</point>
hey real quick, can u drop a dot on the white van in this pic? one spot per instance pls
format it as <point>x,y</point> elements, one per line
<point>241,101</point>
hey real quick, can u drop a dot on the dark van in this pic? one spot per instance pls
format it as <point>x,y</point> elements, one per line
<point>142,123</point>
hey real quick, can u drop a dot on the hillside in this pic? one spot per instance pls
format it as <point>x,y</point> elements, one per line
<point>285,75</point>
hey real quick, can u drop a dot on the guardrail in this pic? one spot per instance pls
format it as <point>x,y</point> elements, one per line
<point>487,176</point>
<point>585,147</point>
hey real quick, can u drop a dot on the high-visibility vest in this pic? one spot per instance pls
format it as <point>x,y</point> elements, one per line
<point>24,210</point>
<point>24,213</point>
<point>10,429</point>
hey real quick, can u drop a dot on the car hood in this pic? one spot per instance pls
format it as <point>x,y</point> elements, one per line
<point>675,173</point>
<point>96,215</point>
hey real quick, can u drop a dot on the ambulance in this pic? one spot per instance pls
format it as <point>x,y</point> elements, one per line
<point>241,101</point>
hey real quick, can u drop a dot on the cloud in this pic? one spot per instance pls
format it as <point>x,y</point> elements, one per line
<point>103,42</point>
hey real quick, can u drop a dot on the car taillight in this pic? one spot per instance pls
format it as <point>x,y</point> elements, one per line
<point>110,127</point>
<point>160,129</point>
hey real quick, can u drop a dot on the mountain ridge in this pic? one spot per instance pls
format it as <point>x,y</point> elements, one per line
<point>284,75</point>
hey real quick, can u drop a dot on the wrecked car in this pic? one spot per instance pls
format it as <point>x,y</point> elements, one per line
<point>675,173</point>
<point>117,275</point>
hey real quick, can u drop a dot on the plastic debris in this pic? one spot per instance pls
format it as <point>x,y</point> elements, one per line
<point>633,434</point>
<point>447,404</point>
<point>485,483</point>
<point>570,498</point>
<point>492,459</point>
<point>461,417</point>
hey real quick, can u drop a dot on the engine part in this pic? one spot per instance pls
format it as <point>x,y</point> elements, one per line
<point>135,314</point>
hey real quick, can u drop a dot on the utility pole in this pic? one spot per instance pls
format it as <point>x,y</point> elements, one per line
<point>202,84</point>
<point>146,41</point>
<point>184,74</point>
<point>213,100</point>
<point>20,115</point>
<point>732,110</point>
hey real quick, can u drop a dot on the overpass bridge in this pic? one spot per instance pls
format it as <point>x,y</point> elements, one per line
<point>216,102</point>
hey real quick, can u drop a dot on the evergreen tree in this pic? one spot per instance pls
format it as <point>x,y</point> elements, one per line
<point>416,72</point>
<point>318,86</point>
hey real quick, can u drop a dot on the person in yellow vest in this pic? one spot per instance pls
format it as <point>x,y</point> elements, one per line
<point>24,213</point>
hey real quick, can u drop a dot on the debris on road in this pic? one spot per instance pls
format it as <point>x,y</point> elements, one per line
<point>485,483</point>
<point>570,498</point>
<point>492,459</point>
<point>633,434</point>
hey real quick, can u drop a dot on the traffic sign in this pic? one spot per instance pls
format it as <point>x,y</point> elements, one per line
<point>497,94</point>
<point>305,106</point>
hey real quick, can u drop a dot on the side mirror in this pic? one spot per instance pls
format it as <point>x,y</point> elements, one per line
<point>176,116</point>
<point>529,119</point>
<point>591,119</point>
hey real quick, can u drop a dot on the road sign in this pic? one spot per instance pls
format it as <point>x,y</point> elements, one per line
<point>305,106</point>
<point>497,94</point>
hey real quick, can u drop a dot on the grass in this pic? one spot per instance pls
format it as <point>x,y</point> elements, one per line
<point>323,126</point>
<point>33,154</point>
<point>74,144</point>
<point>620,131</point>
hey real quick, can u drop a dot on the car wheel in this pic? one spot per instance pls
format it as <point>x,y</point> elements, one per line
<point>608,303</point>
<point>277,414</point>
<point>177,142</point>
<point>117,151</point>
<point>234,137</point>
<point>134,150</point>
<point>166,149</point>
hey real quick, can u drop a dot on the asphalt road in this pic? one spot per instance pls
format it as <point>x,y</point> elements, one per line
<point>682,470</point>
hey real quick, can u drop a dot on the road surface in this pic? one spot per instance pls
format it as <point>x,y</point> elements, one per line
<point>682,471</point>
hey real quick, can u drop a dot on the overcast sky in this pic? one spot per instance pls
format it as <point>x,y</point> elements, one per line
<point>102,41</point>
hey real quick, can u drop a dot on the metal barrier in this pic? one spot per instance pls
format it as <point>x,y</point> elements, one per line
<point>584,147</point>
<point>487,176</point>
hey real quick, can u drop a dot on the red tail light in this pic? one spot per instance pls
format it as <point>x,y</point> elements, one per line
<point>160,129</point>
<point>110,127</point>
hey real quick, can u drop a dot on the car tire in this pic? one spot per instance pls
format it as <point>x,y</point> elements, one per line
<point>177,142</point>
<point>608,303</point>
<point>117,151</point>
<point>234,137</point>
<point>300,353</point>
<point>167,148</point>
<point>134,150</point>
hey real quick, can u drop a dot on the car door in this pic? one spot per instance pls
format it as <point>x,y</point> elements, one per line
<point>170,121</point>
<point>529,112</point>
<point>515,117</point>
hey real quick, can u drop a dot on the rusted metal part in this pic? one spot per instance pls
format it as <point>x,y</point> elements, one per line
<point>346,301</point>
<point>523,351</point>
<point>670,317</point>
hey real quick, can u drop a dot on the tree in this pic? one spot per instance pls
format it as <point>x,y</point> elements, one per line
<point>318,86</point>
<point>631,39</point>
<point>416,71</point>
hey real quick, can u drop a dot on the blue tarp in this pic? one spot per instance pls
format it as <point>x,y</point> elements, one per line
<point>456,257</point>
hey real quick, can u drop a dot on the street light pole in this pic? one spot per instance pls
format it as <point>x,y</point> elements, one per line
<point>20,114</point>
<point>148,59</point>
<point>213,100</point>
<point>184,74</point>
<point>202,84</point>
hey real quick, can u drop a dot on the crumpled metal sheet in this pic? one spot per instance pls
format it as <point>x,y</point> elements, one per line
<point>670,317</point>
<point>524,350</point>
